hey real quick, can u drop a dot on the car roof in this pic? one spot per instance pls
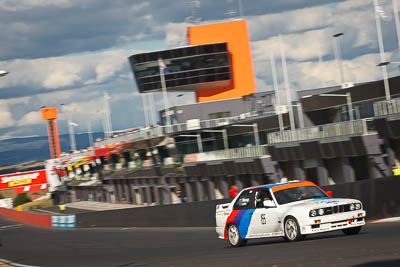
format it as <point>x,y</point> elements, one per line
<point>280,186</point>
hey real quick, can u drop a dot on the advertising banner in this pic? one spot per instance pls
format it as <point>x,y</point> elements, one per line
<point>21,179</point>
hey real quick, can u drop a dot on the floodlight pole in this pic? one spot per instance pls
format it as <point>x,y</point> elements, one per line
<point>338,56</point>
<point>165,97</point>
<point>3,73</point>
<point>276,88</point>
<point>382,54</point>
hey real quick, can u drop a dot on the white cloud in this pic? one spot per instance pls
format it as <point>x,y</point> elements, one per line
<point>19,5</point>
<point>33,117</point>
<point>66,71</point>
<point>6,118</point>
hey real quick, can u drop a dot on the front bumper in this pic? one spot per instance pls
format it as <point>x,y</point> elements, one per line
<point>334,222</point>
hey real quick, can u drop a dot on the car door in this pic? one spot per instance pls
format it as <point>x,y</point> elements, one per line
<point>242,213</point>
<point>265,219</point>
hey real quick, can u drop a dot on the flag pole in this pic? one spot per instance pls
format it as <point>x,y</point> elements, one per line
<point>165,97</point>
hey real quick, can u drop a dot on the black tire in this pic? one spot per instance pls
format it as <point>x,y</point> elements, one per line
<point>352,230</point>
<point>234,238</point>
<point>291,229</point>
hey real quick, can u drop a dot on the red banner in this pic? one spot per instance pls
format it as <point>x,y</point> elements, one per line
<point>22,179</point>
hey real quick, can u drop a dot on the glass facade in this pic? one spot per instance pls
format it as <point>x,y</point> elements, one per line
<point>187,68</point>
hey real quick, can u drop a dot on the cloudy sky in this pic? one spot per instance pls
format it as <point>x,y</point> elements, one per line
<point>68,53</point>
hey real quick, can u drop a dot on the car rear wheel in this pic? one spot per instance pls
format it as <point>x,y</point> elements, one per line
<point>352,231</point>
<point>292,230</point>
<point>234,238</point>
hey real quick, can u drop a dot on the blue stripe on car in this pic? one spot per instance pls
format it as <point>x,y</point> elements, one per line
<point>245,222</point>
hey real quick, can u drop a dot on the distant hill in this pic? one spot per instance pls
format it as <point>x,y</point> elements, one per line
<point>21,150</point>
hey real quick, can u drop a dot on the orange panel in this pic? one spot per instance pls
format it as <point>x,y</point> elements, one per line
<point>292,185</point>
<point>236,35</point>
<point>49,113</point>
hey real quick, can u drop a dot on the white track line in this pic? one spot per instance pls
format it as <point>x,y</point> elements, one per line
<point>5,227</point>
<point>386,220</point>
<point>15,264</point>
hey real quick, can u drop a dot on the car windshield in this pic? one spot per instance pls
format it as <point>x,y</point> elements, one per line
<point>298,193</point>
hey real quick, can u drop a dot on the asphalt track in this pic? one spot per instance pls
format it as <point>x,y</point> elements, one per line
<point>376,245</point>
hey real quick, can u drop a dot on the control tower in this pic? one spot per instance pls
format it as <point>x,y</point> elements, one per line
<point>216,64</point>
<point>50,115</point>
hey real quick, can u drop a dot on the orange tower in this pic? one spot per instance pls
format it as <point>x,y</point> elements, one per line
<point>236,35</point>
<point>50,115</point>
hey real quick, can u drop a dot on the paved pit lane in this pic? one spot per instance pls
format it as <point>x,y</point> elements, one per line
<point>376,245</point>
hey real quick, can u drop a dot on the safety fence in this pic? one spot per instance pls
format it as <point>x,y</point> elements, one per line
<point>360,127</point>
<point>234,153</point>
<point>387,107</point>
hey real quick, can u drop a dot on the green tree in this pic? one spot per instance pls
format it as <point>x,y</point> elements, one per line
<point>21,199</point>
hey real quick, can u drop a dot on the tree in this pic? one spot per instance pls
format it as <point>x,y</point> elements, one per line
<point>21,199</point>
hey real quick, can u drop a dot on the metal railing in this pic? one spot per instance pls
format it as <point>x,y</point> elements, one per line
<point>387,107</point>
<point>234,153</point>
<point>204,124</point>
<point>323,131</point>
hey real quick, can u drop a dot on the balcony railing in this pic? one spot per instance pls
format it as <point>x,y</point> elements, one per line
<point>234,153</point>
<point>387,107</point>
<point>359,127</point>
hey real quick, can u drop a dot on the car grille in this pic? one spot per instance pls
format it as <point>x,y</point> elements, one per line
<point>337,209</point>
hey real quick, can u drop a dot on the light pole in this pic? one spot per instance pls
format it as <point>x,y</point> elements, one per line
<point>276,89</point>
<point>338,55</point>
<point>71,126</point>
<point>255,130</point>
<point>198,137</point>
<point>225,136</point>
<point>286,81</point>
<point>3,73</point>
<point>349,103</point>
<point>378,14</point>
<point>163,70</point>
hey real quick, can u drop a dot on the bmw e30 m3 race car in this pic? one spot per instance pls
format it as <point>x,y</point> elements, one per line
<point>291,210</point>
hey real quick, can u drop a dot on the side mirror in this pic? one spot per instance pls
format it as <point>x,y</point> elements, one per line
<point>329,193</point>
<point>269,204</point>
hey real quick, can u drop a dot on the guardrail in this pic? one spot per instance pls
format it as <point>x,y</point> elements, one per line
<point>387,107</point>
<point>323,131</point>
<point>234,153</point>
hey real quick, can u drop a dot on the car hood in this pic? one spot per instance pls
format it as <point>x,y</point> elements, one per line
<point>321,203</point>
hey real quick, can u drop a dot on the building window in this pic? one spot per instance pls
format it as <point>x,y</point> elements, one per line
<point>218,115</point>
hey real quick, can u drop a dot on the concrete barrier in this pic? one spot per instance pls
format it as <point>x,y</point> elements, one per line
<point>191,214</point>
<point>379,197</point>
<point>43,220</point>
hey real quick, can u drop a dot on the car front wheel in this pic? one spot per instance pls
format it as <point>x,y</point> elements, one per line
<point>234,238</point>
<point>292,230</point>
<point>352,231</point>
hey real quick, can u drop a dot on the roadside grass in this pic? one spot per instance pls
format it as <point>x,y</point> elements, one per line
<point>38,204</point>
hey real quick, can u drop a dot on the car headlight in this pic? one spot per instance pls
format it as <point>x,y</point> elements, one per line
<point>357,206</point>
<point>313,213</point>
<point>352,207</point>
<point>320,212</point>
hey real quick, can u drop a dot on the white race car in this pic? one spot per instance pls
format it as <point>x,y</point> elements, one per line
<point>291,210</point>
